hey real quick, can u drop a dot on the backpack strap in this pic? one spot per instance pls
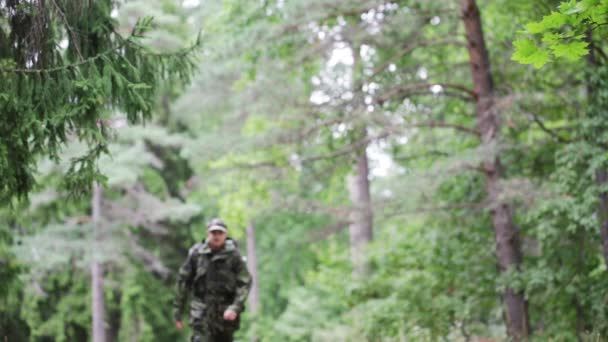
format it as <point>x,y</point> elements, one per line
<point>195,249</point>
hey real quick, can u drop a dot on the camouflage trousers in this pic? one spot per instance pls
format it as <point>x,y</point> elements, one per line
<point>208,324</point>
<point>202,336</point>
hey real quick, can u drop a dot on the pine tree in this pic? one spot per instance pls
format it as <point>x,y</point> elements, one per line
<point>126,235</point>
<point>64,69</point>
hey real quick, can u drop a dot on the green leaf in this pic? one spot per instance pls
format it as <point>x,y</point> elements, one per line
<point>577,8</point>
<point>526,52</point>
<point>550,38</point>
<point>568,6</point>
<point>572,51</point>
<point>551,21</point>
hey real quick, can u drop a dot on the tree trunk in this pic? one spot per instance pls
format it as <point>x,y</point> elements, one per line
<point>98,306</point>
<point>357,182</point>
<point>508,250</point>
<point>601,178</point>
<point>252,265</point>
<point>361,224</point>
<point>601,175</point>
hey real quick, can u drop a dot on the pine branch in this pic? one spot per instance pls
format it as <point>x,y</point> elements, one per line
<point>63,67</point>
<point>355,146</point>
<point>334,228</point>
<point>552,133</point>
<point>151,262</point>
<point>433,153</point>
<point>68,28</point>
<point>123,42</point>
<point>432,124</point>
<point>404,90</point>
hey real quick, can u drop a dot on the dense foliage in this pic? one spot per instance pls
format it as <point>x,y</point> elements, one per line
<point>65,68</point>
<point>289,98</point>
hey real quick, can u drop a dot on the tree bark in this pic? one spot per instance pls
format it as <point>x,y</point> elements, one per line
<point>508,250</point>
<point>361,216</point>
<point>98,306</point>
<point>252,265</point>
<point>357,182</point>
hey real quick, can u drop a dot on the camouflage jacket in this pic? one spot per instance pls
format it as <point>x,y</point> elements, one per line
<point>214,279</point>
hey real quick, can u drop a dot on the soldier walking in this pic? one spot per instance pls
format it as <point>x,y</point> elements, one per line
<point>216,276</point>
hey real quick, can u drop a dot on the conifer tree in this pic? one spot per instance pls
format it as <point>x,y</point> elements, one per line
<point>65,67</point>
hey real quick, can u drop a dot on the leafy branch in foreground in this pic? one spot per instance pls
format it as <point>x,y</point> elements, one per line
<point>561,34</point>
<point>65,69</point>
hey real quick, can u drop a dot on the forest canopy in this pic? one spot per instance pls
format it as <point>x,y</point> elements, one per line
<point>416,170</point>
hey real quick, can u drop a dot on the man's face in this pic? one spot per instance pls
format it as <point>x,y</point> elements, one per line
<point>216,238</point>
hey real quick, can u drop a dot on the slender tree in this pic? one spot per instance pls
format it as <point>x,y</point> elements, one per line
<point>361,224</point>
<point>508,250</point>
<point>252,265</point>
<point>358,186</point>
<point>98,303</point>
<point>597,102</point>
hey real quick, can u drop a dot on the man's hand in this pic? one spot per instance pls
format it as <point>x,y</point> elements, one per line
<point>230,315</point>
<point>179,325</point>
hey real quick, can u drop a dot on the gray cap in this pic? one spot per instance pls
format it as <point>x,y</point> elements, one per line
<point>217,224</point>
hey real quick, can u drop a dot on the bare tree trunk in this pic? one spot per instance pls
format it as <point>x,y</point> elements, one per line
<point>98,306</point>
<point>357,182</point>
<point>361,216</point>
<point>506,233</point>
<point>252,265</point>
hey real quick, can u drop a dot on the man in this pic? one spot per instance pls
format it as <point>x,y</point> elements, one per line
<point>218,279</point>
